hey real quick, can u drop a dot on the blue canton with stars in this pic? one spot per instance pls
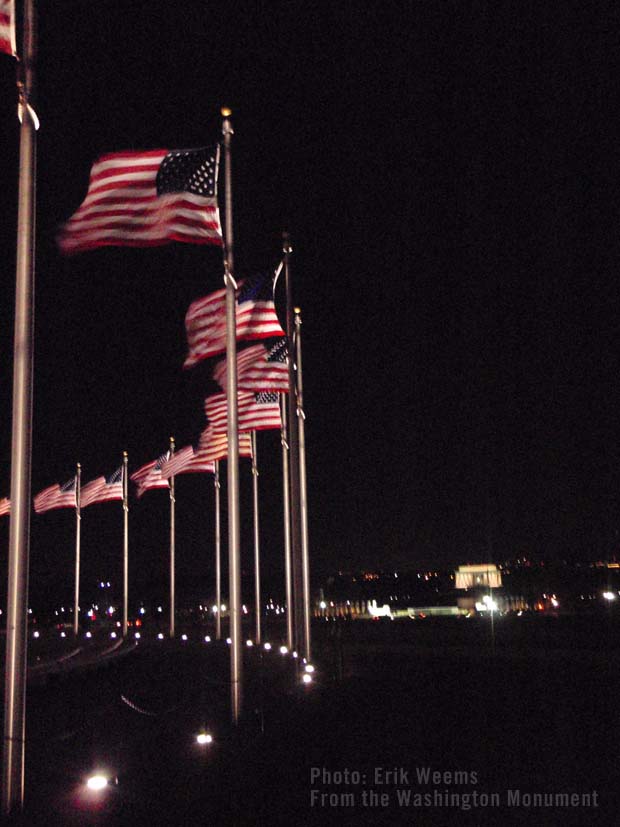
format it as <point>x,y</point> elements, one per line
<point>188,170</point>
<point>257,288</point>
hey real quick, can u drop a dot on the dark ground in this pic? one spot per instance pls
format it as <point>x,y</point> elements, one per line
<point>539,714</point>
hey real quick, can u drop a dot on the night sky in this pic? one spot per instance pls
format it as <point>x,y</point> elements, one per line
<point>449,175</point>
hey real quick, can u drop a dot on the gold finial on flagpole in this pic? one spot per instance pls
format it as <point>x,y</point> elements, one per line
<point>226,112</point>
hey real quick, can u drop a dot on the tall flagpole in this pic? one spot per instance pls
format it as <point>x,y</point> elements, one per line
<point>287,525</point>
<point>257,594</point>
<point>234,555</point>
<point>218,553</point>
<point>303,493</point>
<point>125,545</point>
<point>293,442</point>
<point>172,546</point>
<point>78,533</point>
<point>21,443</point>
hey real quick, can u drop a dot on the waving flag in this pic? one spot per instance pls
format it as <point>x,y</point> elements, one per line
<point>56,496</point>
<point>7,27</point>
<point>186,461</point>
<point>258,369</point>
<point>5,506</point>
<point>103,489</point>
<point>205,321</point>
<point>214,446</point>
<point>144,199</point>
<point>149,476</point>
<point>256,411</point>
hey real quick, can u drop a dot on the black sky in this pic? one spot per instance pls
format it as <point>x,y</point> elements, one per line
<point>448,172</point>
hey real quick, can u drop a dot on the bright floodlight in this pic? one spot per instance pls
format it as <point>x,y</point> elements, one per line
<point>207,639</point>
<point>62,634</point>
<point>309,667</point>
<point>249,643</point>
<point>137,635</point>
<point>89,634</point>
<point>35,634</point>
<point>283,650</point>
<point>112,634</point>
<point>609,595</point>
<point>160,636</point>
<point>204,738</point>
<point>97,782</point>
<point>183,637</point>
<point>268,646</point>
<point>306,678</point>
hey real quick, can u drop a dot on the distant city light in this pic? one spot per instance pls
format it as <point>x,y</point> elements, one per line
<point>223,607</point>
<point>323,604</point>
<point>204,738</point>
<point>228,641</point>
<point>36,634</point>
<point>142,610</point>
<point>89,634</point>
<point>249,643</point>
<point>159,609</point>
<point>137,635</point>
<point>207,639</point>
<point>609,595</point>
<point>268,646</point>
<point>309,667</point>
<point>113,635</point>
<point>183,637</point>
<point>306,678</point>
<point>283,650</point>
<point>62,634</point>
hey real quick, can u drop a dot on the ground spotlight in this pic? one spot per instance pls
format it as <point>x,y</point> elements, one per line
<point>97,782</point>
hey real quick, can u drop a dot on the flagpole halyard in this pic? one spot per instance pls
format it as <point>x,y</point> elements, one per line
<point>234,556</point>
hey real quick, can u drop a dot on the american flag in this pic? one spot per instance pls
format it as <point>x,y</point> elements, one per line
<point>186,461</point>
<point>256,411</point>
<point>103,489</point>
<point>56,496</point>
<point>205,321</point>
<point>214,446</point>
<point>7,27</point>
<point>144,199</point>
<point>149,476</point>
<point>258,369</point>
<point>5,506</point>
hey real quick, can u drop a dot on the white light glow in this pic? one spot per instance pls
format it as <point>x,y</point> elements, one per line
<point>97,782</point>
<point>268,646</point>
<point>207,639</point>
<point>295,655</point>
<point>35,634</point>
<point>160,636</point>
<point>62,634</point>
<point>89,634</point>
<point>113,635</point>
<point>309,667</point>
<point>183,637</point>
<point>306,678</point>
<point>204,738</point>
<point>137,636</point>
<point>228,641</point>
<point>249,643</point>
<point>609,595</point>
<point>283,650</point>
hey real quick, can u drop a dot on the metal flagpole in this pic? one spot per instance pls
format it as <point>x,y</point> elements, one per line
<point>234,555</point>
<point>125,545</point>
<point>172,549</point>
<point>21,442</point>
<point>303,493</point>
<point>287,525</point>
<point>78,524</point>
<point>257,594</point>
<point>218,553</point>
<point>293,442</point>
